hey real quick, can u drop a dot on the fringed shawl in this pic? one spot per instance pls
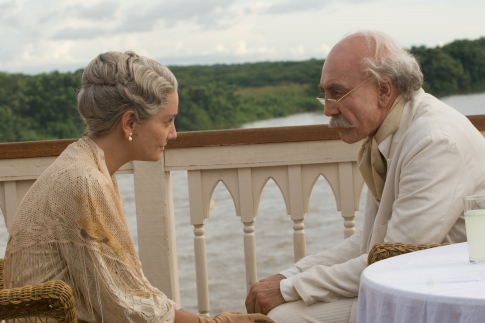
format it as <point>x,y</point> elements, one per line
<point>71,226</point>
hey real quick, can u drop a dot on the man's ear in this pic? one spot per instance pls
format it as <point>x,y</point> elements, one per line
<point>128,121</point>
<point>386,93</point>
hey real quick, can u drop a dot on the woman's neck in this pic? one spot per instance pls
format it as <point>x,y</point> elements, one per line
<point>116,152</point>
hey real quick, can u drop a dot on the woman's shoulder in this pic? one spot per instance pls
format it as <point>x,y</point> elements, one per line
<point>75,168</point>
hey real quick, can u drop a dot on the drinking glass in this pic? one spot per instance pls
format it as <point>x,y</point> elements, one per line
<point>475,227</point>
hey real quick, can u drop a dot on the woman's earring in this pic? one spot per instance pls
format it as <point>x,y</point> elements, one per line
<point>129,137</point>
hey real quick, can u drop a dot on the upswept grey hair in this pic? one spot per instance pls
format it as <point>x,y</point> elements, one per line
<point>391,62</point>
<point>115,82</point>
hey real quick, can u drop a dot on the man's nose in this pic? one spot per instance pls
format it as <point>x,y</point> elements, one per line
<point>330,109</point>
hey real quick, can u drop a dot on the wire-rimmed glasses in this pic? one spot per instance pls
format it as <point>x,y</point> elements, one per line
<point>324,100</point>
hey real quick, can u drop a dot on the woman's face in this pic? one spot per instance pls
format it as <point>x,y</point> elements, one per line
<point>151,136</point>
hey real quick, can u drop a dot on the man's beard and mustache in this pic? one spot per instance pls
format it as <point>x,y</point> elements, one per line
<point>338,121</point>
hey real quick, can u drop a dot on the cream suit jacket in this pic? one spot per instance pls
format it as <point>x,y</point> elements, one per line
<point>435,158</point>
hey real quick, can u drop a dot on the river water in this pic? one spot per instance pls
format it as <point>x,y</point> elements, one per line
<point>273,227</point>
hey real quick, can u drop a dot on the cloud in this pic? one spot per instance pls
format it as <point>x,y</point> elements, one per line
<point>6,8</point>
<point>114,17</point>
<point>104,10</point>
<point>296,5</point>
<point>137,22</point>
<point>298,51</point>
<point>186,9</point>
<point>7,5</point>
<point>99,11</point>
<point>325,49</point>
<point>212,31</point>
<point>86,22</point>
<point>291,6</point>
<point>208,14</point>
<point>80,33</point>
<point>212,58</point>
<point>8,17</point>
<point>220,48</point>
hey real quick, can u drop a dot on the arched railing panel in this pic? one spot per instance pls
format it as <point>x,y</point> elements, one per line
<point>261,175</point>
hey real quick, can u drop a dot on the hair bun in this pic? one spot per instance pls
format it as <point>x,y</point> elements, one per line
<point>116,82</point>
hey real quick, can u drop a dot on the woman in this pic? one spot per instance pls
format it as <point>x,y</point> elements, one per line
<point>71,224</point>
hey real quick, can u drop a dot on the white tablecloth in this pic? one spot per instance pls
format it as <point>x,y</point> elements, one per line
<point>435,285</point>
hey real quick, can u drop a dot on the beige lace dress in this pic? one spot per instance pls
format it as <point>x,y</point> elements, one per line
<point>71,226</point>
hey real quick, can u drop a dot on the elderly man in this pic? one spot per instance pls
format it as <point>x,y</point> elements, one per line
<point>419,158</point>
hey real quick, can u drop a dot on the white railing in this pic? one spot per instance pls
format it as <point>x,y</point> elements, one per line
<point>293,157</point>
<point>245,169</point>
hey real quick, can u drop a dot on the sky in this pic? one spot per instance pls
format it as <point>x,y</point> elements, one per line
<point>38,36</point>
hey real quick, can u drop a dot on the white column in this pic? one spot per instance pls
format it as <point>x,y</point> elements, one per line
<point>250,254</point>
<point>246,211</point>
<point>347,197</point>
<point>156,226</point>
<point>297,211</point>
<point>197,219</point>
<point>201,271</point>
<point>11,202</point>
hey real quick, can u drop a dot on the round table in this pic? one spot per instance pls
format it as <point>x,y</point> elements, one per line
<point>434,285</point>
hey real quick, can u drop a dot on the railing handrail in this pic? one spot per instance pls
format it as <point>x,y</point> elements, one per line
<point>208,138</point>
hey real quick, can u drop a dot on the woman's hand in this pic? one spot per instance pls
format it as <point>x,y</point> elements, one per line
<point>237,317</point>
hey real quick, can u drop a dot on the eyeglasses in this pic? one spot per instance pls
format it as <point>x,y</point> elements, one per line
<point>324,100</point>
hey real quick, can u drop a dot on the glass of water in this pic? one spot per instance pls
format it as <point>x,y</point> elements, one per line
<point>475,227</point>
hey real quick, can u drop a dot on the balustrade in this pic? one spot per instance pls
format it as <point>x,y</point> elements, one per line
<point>244,160</point>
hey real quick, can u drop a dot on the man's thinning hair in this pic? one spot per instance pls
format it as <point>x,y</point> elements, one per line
<point>391,62</point>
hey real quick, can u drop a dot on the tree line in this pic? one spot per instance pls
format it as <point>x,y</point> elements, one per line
<point>39,107</point>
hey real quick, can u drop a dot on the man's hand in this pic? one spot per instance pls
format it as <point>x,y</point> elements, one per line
<point>265,295</point>
<point>278,277</point>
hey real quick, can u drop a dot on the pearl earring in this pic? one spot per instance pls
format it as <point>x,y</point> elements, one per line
<point>129,137</point>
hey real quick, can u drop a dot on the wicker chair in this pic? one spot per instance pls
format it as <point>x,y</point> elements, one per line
<point>382,251</point>
<point>38,302</point>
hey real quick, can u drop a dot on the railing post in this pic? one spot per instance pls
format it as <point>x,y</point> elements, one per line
<point>201,277</point>
<point>11,202</point>
<point>246,211</point>
<point>297,211</point>
<point>156,226</point>
<point>197,219</point>
<point>250,254</point>
<point>347,197</point>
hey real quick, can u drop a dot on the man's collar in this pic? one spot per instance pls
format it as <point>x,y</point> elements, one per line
<point>385,146</point>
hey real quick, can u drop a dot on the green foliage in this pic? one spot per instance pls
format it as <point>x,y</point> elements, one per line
<point>220,96</point>
<point>279,101</point>
<point>210,106</point>
<point>458,67</point>
<point>220,106</point>
<point>442,73</point>
<point>471,54</point>
<point>39,107</point>
<point>251,74</point>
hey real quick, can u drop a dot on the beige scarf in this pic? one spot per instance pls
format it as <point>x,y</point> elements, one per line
<point>71,226</point>
<point>371,163</point>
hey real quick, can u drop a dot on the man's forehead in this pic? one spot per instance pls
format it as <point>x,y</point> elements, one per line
<point>339,76</point>
<point>344,63</point>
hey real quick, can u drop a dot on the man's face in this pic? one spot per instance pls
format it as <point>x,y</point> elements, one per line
<point>341,73</point>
